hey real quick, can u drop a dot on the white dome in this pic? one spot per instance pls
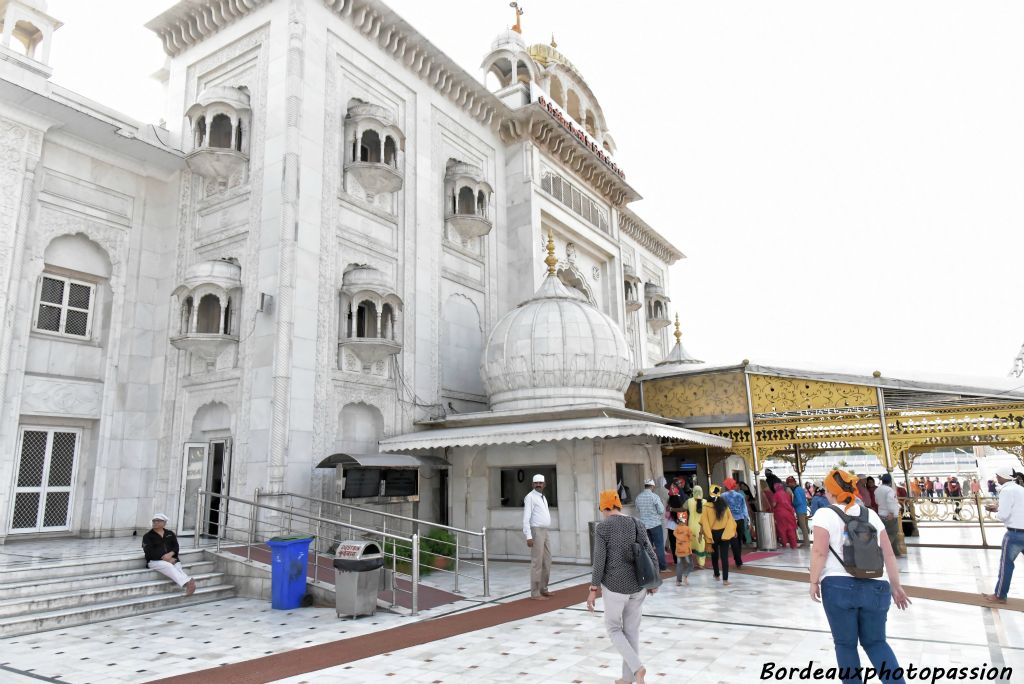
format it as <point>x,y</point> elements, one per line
<point>556,349</point>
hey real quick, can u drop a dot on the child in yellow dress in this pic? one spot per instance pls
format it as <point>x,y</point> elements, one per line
<point>684,557</point>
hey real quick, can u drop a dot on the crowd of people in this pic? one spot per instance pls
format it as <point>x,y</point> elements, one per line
<point>856,582</point>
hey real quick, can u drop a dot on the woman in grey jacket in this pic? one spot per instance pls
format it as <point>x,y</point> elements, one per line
<point>614,575</point>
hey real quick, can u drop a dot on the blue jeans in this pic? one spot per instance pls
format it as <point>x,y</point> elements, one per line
<point>657,537</point>
<point>1013,545</point>
<point>856,610</point>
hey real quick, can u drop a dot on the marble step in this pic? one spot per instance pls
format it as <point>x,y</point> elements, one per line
<point>72,567</point>
<point>90,580</point>
<point>98,612</point>
<point>111,592</point>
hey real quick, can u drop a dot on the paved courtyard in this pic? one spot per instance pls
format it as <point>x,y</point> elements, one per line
<point>702,631</point>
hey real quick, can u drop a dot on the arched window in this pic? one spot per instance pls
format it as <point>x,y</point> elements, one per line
<point>573,106</point>
<point>208,315</point>
<point>590,124</point>
<point>220,132</point>
<point>390,152</point>
<point>467,201</point>
<point>481,203</point>
<point>387,322</point>
<point>557,93</point>
<point>238,137</point>
<point>26,38</point>
<point>369,149</point>
<point>201,131</point>
<point>522,72</point>
<point>186,315</point>
<point>499,75</point>
<point>366,320</point>
<point>227,318</point>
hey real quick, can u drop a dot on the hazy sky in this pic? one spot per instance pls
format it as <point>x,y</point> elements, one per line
<point>846,179</point>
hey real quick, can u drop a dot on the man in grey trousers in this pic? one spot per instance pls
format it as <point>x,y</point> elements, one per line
<point>536,521</point>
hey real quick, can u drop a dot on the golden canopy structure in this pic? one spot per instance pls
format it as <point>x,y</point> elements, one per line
<point>795,415</point>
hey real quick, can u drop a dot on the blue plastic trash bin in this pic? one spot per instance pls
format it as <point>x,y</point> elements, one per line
<point>290,556</point>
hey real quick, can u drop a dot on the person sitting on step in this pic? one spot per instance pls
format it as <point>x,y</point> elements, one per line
<point>161,547</point>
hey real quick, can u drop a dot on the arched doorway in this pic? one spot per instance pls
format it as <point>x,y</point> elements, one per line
<point>206,466</point>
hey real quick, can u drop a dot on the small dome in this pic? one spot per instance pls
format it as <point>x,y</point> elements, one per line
<point>229,95</point>
<point>362,277</point>
<point>221,272</point>
<point>508,40</point>
<point>556,349</point>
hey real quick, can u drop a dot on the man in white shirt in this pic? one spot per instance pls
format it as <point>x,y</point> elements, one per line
<point>1010,510</point>
<point>889,510</point>
<point>536,521</point>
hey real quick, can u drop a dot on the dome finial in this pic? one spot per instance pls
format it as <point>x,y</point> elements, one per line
<point>553,43</point>
<point>551,260</point>
<point>678,333</point>
<point>518,28</point>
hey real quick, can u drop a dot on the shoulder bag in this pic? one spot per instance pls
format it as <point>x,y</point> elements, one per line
<point>647,575</point>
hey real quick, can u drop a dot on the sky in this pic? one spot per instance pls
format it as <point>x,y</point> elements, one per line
<point>846,179</point>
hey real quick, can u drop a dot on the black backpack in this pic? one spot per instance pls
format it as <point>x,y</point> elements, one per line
<point>862,555</point>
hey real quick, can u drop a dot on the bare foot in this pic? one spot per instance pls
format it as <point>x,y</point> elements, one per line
<point>726,583</point>
<point>640,674</point>
<point>190,587</point>
<point>539,598</point>
<point>686,580</point>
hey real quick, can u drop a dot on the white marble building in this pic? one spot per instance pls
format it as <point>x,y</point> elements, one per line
<point>307,259</point>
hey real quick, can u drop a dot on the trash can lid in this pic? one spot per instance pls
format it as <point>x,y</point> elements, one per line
<point>289,538</point>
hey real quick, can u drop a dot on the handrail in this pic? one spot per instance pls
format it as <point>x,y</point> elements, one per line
<point>482,534</point>
<point>303,515</point>
<point>375,512</point>
<point>223,523</point>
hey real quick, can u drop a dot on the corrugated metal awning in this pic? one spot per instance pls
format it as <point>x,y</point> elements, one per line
<point>548,431</point>
<point>382,461</point>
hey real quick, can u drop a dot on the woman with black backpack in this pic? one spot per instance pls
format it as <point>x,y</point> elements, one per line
<point>849,560</point>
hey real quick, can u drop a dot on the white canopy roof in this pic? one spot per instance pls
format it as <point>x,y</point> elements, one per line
<point>547,431</point>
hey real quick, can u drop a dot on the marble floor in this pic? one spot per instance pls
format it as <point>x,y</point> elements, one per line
<point>703,632</point>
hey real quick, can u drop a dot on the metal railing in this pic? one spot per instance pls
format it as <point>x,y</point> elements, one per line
<point>461,553</point>
<point>941,511</point>
<point>263,520</point>
<point>243,524</point>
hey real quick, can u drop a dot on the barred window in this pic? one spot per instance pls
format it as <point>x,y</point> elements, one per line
<point>575,200</point>
<point>65,306</point>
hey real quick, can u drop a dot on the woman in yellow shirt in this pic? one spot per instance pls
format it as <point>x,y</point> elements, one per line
<point>695,507</point>
<point>720,527</point>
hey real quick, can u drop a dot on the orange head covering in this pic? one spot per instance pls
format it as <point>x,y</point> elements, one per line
<point>729,483</point>
<point>609,499</point>
<point>843,486</point>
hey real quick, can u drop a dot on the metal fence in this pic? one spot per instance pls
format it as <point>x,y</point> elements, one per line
<point>243,525</point>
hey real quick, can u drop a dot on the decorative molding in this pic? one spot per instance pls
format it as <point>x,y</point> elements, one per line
<point>771,394</point>
<point>52,223</point>
<point>635,227</point>
<point>45,396</point>
<point>187,24</point>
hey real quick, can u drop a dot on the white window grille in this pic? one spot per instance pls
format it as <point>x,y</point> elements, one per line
<point>64,306</point>
<point>44,487</point>
<point>575,200</point>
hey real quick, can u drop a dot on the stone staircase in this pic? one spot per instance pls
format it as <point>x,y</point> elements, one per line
<point>37,598</point>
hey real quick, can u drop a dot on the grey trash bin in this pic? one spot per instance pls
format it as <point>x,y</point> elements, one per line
<point>766,537</point>
<point>357,576</point>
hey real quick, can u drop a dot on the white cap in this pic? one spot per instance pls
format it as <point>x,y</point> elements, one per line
<point>538,478</point>
<point>160,516</point>
<point>1005,472</point>
<point>648,483</point>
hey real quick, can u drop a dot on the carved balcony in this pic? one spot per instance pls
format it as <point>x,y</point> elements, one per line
<point>216,163</point>
<point>207,346</point>
<point>469,226</point>
<point>370,350</point>
<point>375,177</point>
